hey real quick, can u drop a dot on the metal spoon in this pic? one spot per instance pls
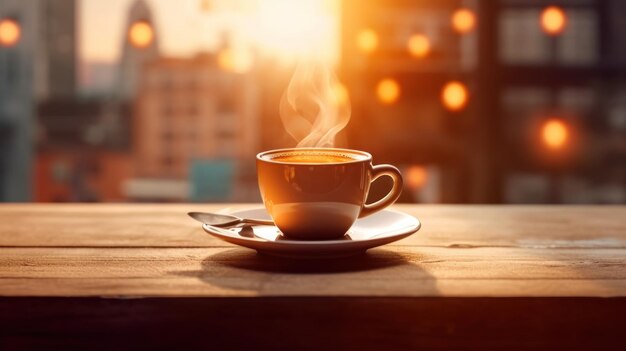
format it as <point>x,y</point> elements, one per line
<point>223,220</point>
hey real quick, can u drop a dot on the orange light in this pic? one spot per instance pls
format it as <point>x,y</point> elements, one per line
<point>416,177</point>
<point>419,45</point>
<point>10,32</point>
<point>388,91</point>
<point>141,34</point>
<point>367,41</point>
<point>454,96</point>
<point>340,94</point>
<point>463,20</point>
<point>237,62</point>
<point>554,133</point>
<point>290,30</point>
<point>553,20</point>
<point>225,60</point>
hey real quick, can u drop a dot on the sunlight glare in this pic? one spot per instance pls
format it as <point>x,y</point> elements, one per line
<point>295,29</point>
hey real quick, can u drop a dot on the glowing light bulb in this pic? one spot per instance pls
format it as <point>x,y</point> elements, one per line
<point>10,32</point>
<point>463,20</point>
<point>141,34</point>
<point>554,133</point>
<point>454,96</point>
<point>419,45</point>
<point>553,20</point>
<point>388,91</point>
<point>367,41</point>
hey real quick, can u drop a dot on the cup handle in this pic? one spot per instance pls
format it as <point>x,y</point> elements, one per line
<point>391,197</point>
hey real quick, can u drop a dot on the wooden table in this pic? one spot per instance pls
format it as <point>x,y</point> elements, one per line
<point>474,277</point>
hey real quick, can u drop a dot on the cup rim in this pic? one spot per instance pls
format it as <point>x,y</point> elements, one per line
<point>368,156</point>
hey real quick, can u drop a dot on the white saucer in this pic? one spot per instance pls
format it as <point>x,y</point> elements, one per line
<point>378,229</point>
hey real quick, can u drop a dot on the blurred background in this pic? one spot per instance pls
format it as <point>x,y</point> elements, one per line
<point>477,101</point>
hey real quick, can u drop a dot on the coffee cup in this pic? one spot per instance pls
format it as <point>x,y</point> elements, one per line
<point>318,193</point>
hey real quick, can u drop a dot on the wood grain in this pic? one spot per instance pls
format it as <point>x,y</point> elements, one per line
<point>403,271</point>
<point>475,277</point>
<point>126,225</point>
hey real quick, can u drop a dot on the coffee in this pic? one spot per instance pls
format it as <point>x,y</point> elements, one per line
<point>313,158</point>
<point>318,194</point>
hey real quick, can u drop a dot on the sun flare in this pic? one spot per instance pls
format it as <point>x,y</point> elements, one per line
<point>296,29</point>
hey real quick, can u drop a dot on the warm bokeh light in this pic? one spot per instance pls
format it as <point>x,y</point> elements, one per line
<point>554,133</point>
<point>367,41</point>
<point>234,61</point>
<point>299,29</point>
<point>463,20</point>
<point>341,94</point>
<point>225,60</point>
<point>141,34</point>
<point>454,96</point>
<point>416,176</point>
<point>10,32</point>
<point>553,20</point>
<point>388,91</point>
<point>419,45</point>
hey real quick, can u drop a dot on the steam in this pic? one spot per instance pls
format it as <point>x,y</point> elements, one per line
<point>315,106</point>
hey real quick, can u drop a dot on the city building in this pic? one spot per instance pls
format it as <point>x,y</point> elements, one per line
<point>98,79</point>
<point>80,155</point>
<point>57,57</point>
<point>36,63</point>
<point>194,122</point>
<point>16,101</point>
<point>140,44</point>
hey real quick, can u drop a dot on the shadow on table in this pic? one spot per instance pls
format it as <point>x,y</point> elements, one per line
<point>253,261</point>
<point>376,271</point>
